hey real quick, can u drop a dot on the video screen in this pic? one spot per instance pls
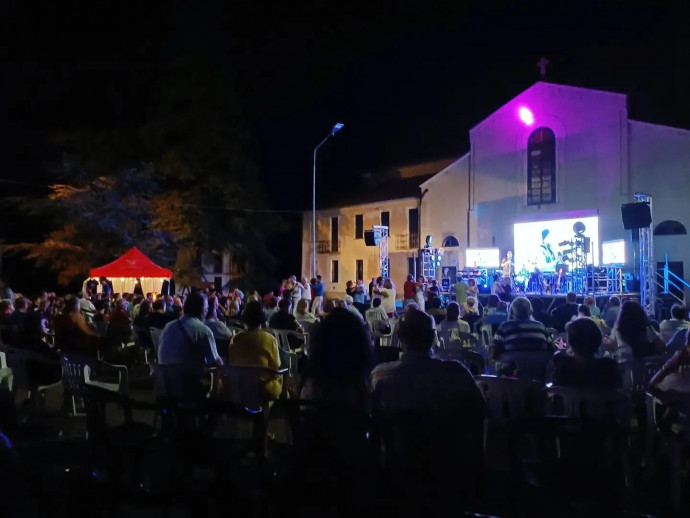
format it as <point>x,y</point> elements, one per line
<point>482,257</point>
<point>613,252</point>
<point>542,244</point>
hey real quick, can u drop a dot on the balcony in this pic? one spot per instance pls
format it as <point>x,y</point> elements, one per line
<point>407,241</point>
<point>327,247</point>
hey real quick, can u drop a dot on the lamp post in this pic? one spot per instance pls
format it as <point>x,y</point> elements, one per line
<point>336,128</point>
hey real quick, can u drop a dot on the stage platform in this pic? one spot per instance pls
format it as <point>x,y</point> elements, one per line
<point>553,301</point>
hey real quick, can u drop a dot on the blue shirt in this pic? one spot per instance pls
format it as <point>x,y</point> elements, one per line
<point>192,346</point>
<point>318,289</point>
<point>358,297</point>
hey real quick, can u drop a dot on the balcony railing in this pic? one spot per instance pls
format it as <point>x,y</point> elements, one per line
<point>407,241</point>
<point>327,247</point>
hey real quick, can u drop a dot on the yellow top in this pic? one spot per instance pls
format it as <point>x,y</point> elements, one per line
<point>257,348</point>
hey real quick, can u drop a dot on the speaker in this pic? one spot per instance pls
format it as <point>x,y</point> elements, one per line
<point>636,215</point>
<point>372,238</point>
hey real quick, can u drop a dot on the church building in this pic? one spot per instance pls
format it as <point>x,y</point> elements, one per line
<point>552,156</point>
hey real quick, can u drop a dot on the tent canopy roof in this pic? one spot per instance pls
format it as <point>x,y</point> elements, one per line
<point>132,264</point>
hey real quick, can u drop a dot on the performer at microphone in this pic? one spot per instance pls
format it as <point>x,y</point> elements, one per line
<point>507,266</point>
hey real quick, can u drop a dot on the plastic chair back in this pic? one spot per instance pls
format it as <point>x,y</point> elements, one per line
<point>179,382</point>
<point>636,375</point>
<point>470,359</point>
<point>528,365</point>
<point>73,379</point>
<point>586,403</point>
<point>509,398</point>
<point>243,385</point>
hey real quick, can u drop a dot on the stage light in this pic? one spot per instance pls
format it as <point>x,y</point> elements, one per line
<point>526,116</point>
<point>337,127</point>
<point>429,239</point>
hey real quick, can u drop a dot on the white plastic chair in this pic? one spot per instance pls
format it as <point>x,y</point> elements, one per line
<point>16,361</point>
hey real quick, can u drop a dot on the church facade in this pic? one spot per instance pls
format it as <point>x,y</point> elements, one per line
<point>556,153</point>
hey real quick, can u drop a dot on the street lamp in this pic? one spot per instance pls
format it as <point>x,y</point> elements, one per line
<point>336,128</point>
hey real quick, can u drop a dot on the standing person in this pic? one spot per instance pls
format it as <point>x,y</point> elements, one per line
<point>388,295</point>
<point>317,303</point>
<point>460,289</point>
<point>372,285</point>
<point>420,290</point>
<point>106,288</point>
<point>564,313</point>
<point>496,288</point>
<point>296,291</point>
<point>359,295</point>
<point>306,290</point>
<point>613,308</point>
<point>507,266</point>
<point>409,291</point>
<point>472,289</point>
<point>375,293</point>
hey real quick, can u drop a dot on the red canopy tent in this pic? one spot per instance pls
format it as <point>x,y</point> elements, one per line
<point>133,265</point>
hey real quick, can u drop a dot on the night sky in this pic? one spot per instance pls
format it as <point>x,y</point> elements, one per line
<point>408,79</point>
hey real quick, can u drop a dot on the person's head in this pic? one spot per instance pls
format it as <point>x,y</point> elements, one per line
<point>375,303</point>
<point>410,277</point>
<point>493,301</point>
<point>329,305</point>
<point>348,284</point>
<point>159,306</point>
<point>583,311</point>
<point>71,305</point>
<point>614,302</point>
<point>212,308</point>
<point>571,298</point>
<point>537,305</point>
<point>123,304</point>
<point>632,323</point>
<point>435,303</point>
<point>583,336</point>
<point>144,308</point>
<point>509,254</point>
<point>453,312</point>
<point>196,305</point>
<point>416,332</point>
<point>521,309</point>
<point>471,304</point>
<point>21,304</point>
<point>472,283</point>
<point>420,280</point>
<point>318,278</point>
<point>340,356</point>
<point>679,312</point>
<point>434,282</point>
<point>272,303</point>
<point>254,315</point>
<point>412,306</point>
<point>495,278</point>
<point>379,281</point>
<point>348,300</point>
<point>304,280</point>
<point>589,301</point>
<point>6,307</point>
<point>302,307</point>
<point>284,305</point>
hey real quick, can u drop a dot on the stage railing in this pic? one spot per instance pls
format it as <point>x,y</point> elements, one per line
<point>671,280</point>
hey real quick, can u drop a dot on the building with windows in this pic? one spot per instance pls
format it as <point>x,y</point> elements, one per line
<point>552,155</point>
<point>389,198</point>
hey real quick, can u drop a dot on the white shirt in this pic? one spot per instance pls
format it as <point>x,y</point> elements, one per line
<point>388,303</point>
<point>496,288</point>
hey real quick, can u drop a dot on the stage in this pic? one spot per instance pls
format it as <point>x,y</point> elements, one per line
<point>553,301</point>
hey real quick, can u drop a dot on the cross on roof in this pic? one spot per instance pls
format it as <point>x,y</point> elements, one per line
<point>542,66</point>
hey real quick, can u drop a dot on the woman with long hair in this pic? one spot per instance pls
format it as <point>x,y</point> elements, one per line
<point>633,334</point>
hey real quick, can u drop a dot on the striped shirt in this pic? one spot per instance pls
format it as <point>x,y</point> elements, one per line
<point>521,335</point>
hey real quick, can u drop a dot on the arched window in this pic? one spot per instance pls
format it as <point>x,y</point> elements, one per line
<point>670,228</point>
<point>541,167</point>
<point>450,241</point>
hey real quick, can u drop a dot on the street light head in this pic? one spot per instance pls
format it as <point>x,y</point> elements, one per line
<point>338,126</point>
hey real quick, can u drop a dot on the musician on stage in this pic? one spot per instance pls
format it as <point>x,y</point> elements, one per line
<point>507,267</point>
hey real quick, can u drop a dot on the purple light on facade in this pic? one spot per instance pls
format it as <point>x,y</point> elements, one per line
<point>526,116</point>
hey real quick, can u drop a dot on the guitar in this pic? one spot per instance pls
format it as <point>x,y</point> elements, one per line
<point>558,283</point>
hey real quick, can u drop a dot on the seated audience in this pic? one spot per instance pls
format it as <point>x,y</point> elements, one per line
<point>255,347</point>
<point>452,325</point>
<point>417,381</point>
<point>613,308</point>
<point>592,305</point>
<point>187,340</point>
<point>219,329</point>
<point>72,333</point>
<point>17,322</point>
<point>679,360</point>
<point>271,308</point>
<point>565,312</point>
<point>521,332</point>
<point>580,368</point>
<point>159,316</point>
<point>102,316</point>
<point>302,314</point>
<point>435,310</point>
<point>377,318</point>
<point>470,313</point>
<point>633,336</point>
<point>538,312</point>
<point>678,320</point>
<point>340,360</point>
<point>348,304</point>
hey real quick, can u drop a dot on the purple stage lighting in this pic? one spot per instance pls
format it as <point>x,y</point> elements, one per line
<point>526,116</point>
